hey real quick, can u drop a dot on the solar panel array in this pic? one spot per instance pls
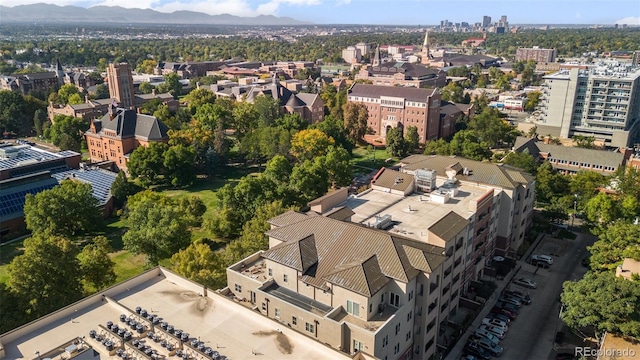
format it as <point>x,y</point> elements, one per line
<point>28,154</point>
<point>13,203</point>
<point>100,180</point>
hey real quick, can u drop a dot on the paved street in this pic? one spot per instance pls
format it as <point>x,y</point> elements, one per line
<point>532,334</point>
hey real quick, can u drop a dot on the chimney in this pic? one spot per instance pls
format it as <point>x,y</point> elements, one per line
<point>138,111</point>
<point>547,140</point>
<point>153,91</point>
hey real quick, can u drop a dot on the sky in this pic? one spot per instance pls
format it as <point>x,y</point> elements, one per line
<point>394,12</point>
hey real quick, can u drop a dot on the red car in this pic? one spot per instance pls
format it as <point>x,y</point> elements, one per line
<point>510,314</point>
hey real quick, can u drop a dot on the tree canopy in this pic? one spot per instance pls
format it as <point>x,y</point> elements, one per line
<point>66,210</point>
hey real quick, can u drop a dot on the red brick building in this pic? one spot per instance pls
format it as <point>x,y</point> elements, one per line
<point>394,106</point>
<point>116,135</point>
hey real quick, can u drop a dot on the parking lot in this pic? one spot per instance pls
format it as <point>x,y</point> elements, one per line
<point>531,335</point>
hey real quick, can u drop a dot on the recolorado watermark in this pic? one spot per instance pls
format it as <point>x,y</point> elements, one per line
<point>594,352</point>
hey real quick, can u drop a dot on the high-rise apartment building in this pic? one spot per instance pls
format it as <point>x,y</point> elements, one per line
<point>603,102</point>
<point>351,54</point>
<point>486,21</point>
<point>120,83</point>
<point>537,54</point>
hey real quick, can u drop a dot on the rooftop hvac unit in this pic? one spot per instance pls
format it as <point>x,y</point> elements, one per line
<point>382,222</point>
<point>425,180</point>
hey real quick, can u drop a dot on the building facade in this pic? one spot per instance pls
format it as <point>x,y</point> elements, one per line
<point>120,83</point>
<point>118,133</point>
<point>603,102</point>
<point>393,106</point>
<point>537,54</point>
<point>351,55</point>
<point>399,73</point>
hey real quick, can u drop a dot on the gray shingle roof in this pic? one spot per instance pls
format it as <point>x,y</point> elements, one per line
<point>392,179</point>
<point>569,153</point>
<point>375,91</point>
<point>449,226</point>
<point>408,69</point>
<point>345,246</point>
<point>128,123</point>
<point>481,172</point>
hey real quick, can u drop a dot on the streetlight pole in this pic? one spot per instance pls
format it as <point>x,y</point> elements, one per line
<point>575,203</point>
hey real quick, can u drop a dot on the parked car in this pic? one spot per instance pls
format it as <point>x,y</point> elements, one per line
<point>495,322</point>
<point>522,297</point>
<point>495,330</point>
<point>486,335</point>
<point>497,310</point>
<point>510,300</point>
<point>478,352</point>
<point>507,306</point>
<point>468,357</point>
<point>546,258</point>
<point>493,349</point>
<point>501,317</point>
<point>520,300</point>
<point>526,282</point>
<point>474,349</point>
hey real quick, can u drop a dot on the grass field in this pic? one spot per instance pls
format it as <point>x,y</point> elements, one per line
<point>363,158</point>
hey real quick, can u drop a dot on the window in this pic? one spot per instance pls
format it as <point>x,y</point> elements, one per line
<point>264,306</point>
<point>353,308</point>
<point>394,299</point>
<point>238,288</point>
<point>410,295</point>
<point>370,307</point>
<point>277,312</point>
<point>270,272</point>
<point>408,336</point>
<point>309,327</point>
<point>397,328</point>
<point>294,320</point>
<point>357,346</point>
<point>385,341</point>
<point>396,349</point>
<point>410,315</point>
<point>285,278</point>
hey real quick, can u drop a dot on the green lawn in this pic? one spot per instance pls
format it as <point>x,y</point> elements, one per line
<point>7,253</point>
<point>363,158</point>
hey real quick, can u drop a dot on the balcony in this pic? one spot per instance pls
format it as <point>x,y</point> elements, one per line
<point>373,324</point>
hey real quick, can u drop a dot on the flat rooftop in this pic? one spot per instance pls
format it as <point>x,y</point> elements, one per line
<point>412,215</point>
<point>30,155</point>
<point>226,327</point>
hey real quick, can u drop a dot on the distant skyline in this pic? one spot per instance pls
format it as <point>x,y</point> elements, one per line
<point>393,12</point>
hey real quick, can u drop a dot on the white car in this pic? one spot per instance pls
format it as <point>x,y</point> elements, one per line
<point>495,322</point>
<point>526,283</point>
<point>498,332</point>
<point>486,335</point>
<point>546,258</point>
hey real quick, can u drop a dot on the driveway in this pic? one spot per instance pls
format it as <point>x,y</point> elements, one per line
<point>532,334</point>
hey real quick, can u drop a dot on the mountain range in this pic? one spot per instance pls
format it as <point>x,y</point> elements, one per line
<point>47,13</point>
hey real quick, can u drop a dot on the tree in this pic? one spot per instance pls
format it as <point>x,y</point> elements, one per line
<point>96,266</point>
<point>146,88</point>
<point>549,183</point>
<point>453,92</point>
<point>199,263</point>
<point>309,180</point>
<point>179,165</point>
<point>356,117</point>
<point>311,143</point>
<point>268,110</point>
<point>245,118</point>
<point>586,184</point>
<point>585,142</point>
<point>39,118</point>
<point>122,188</point>
<point>171,84</point>
<point>338,165</point>
<point>13,113</point>
<point>146,163</point>
<point>65,92</point>
<point>395,142</point>
<point>334,128</point>
<point>291,122</point>
<point>602,209</point>
<point>193,208</point>
<point>47,275</point>
<point>412,138</point>
<point>439,147</point>
<point>522,160</point>
<point>147,66</point>
<point>67,132</point>
<point>66,210</point>
<point>157,228</point>
<point>604,302</point>
<point>533,99</point>
<point>102,92</point>
<point>489,128</point>
<point>199,97</point>
<point>465,143</point>
<point>613,245</point>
